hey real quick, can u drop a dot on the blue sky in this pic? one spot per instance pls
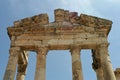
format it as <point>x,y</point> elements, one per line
<point>59,62</point>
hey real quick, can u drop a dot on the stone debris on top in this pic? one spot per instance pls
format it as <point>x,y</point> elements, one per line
<point>63,18</point>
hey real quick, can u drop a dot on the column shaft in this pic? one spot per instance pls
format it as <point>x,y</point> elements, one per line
<point>99,73</point>
<point>40,73</point>
<point>21,71</point>
<point>22,65</point>
<point>76,65</point>
<point>12,63</point>
<point>105,62</point>
<point>20,76</point>
<point>97,64</point>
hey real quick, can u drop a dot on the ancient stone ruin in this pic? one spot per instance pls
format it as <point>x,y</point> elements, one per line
<point>68,32</point>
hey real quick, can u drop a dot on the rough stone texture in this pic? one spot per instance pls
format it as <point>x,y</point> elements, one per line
<point>97,64</point>
<point>41,64</point>
<point>22,66</point>
<point>68,32</point>
<point>105,62</point>
<point>117,73</point>
<point>12,63</point>
<point>76,64</point>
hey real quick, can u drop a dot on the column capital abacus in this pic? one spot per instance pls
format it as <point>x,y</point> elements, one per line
<point>75,49</point>
<point>14,50</point>
<point>103,45</point>
<point>42,50</point>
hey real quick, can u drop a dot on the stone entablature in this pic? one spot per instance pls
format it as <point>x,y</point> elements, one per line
<point>68,32</point>
<point>67,29</point>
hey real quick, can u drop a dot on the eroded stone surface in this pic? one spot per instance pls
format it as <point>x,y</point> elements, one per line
<point>68,32</point>
<point>117,73</point>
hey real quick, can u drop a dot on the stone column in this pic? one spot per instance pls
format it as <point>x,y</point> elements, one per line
<point>40,73</point>
<point>22,65</point>
<point>117,73</point>
<point>97,65</point>
<point>20,76</point>
<point>105,62</point>
<point>21,72</point>
<point>76,64</point>
<point>12,63</point>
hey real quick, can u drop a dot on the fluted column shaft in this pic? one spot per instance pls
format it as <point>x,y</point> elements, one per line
<point>76,64</point>
<point>105,62</point>
<point>12,63</point>
<point>40,73</point>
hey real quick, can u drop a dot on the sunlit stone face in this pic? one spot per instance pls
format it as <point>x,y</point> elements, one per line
<point>26,21</point>
<point>43,18</point>
<point>66,15</point>
<point>73,17</point>
<point>59,15</point>
<point>17,23</point>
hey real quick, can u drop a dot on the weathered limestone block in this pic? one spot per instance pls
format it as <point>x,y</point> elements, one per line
<point>104,22</point>
<point>59,15</point>
<point>73,17</point>
<point>26,22</point>
<point>66,15</point>
<point>93,21</point>
<point>117,73</point>
<point>17,23</point>
<point>41,19</point>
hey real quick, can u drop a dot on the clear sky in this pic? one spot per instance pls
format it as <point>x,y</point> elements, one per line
<point>59,62</point>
